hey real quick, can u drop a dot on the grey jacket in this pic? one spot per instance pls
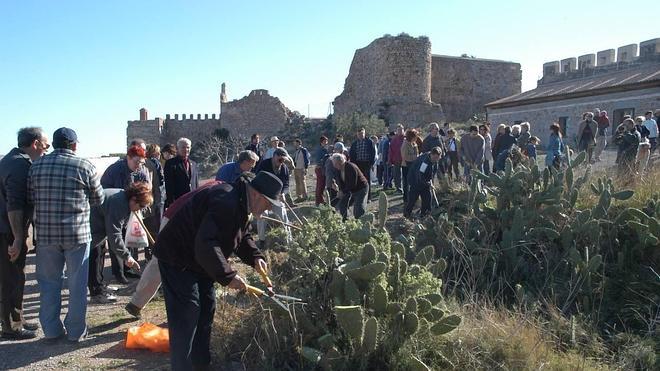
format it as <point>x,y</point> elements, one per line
<point>472,149</point>
<point>108,221</point>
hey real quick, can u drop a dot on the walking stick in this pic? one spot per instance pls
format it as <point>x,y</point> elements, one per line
<point>281,222</point>
<point>149,238</point>
<point>435,198</point>
<point>293,212</point>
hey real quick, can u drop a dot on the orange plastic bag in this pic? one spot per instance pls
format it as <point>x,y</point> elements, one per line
<point>148,336</point>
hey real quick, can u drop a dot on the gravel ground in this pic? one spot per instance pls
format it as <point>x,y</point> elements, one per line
<point>103,348</point>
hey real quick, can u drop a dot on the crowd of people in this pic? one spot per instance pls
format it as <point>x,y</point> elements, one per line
<point>79,215</point>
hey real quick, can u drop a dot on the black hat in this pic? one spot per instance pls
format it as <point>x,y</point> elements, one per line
<point>63,137</point>
<point>269,186</point>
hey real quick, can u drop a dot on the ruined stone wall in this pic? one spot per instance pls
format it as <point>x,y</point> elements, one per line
<point>159,131</point>
<point>149,130</point>
<point>464,85</point>
<point>259,112</point>
<point>192,127</point>
<point>391,77</point>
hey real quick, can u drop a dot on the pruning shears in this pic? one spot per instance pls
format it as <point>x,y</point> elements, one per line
<point>269,294</point>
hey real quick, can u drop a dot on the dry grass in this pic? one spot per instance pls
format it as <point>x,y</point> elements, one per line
<point>645,186</point>
<point>491,338</point>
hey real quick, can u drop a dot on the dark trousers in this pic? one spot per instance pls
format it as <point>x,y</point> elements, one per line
<point>12,283</point>
<point>117,266</point>
<point>320,185</point>
<point>152,222</point>
<point>486,167</point>
<point>416,191</point>
<point>365,168</point>
<point>387,176</point>
<point>190,305</point>
<point>453,164</point>
<point>380,170</point>
<point>359,199</point>
<point>96,264</point>
<point>404,178</point>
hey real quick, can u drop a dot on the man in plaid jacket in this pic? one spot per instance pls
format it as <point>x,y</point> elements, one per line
<point>62,188</point>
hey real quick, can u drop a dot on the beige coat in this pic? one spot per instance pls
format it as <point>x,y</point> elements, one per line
<point>409,152</point>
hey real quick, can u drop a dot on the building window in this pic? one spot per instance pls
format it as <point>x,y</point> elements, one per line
<point>562,124</point>
<point>617,116</point>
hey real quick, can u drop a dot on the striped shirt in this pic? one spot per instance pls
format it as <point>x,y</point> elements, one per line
<point>62,186</point>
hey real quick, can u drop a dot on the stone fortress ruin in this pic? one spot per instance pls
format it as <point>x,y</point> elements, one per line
<point>258,112</point>
<point>394,77</point>
<point>399,79</point>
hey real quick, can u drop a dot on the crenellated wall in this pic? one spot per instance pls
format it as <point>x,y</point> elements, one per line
<point>259,112</point>
<point>604,61</point>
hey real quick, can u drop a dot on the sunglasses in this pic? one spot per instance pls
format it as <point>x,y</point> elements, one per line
<point>44,146</point>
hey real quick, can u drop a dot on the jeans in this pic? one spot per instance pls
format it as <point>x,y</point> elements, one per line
<point>387,176</point>
<point>359,203</point>
<point>51,260</point>
<point>190,306</point>
<point>12,283</point>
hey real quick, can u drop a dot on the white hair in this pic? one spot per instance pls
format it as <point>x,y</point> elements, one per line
<point>515,129</point>
<point>338,157</point>
<point>183,140</point>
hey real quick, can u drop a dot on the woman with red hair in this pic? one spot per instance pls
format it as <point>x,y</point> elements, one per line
<point>119,175</point>
<point>107,223</point>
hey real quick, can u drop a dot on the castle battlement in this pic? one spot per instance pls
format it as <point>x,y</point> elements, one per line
<point>258,112</point>
<point>189,117</point>
<point>604,61</point>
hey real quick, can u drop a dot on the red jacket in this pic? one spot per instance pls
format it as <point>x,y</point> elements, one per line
<point>394,155</point>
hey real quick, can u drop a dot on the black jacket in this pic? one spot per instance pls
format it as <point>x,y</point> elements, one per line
<point>421,172</point>
<point>177,180</point>
<point>353,179</point>
<point>14,168</point>
<point>208,228</point>
<point>283,174</point>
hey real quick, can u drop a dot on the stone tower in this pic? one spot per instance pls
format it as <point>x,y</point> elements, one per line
<point>391,77</point>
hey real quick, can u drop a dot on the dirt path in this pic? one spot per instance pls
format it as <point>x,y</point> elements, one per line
<point>104,347</point>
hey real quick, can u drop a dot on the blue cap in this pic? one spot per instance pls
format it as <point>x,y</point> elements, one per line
<point>63,137</point>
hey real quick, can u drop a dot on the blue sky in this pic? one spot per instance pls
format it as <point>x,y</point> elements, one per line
<point>91,65</point>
